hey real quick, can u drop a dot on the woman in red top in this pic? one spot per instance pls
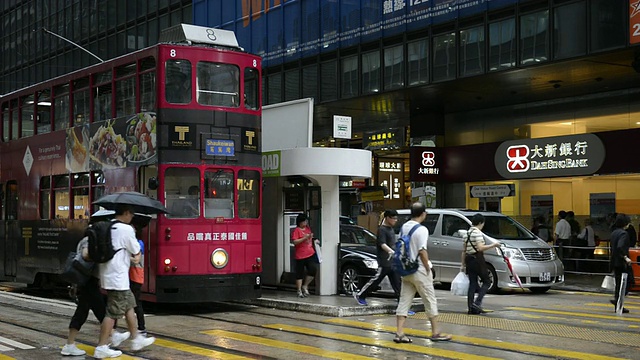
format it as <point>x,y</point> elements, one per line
<point>302,238</point>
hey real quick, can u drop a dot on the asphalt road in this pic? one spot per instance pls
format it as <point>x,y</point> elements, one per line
<point>556,325</point>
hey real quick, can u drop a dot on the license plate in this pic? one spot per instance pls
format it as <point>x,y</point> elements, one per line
<point>545,276</point>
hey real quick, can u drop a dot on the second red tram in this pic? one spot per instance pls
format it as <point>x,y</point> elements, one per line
<point>178,121</point>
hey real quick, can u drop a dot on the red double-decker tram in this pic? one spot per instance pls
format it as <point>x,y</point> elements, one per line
<point>178,121</point>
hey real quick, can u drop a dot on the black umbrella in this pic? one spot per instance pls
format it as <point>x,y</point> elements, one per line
<point>141,203</point>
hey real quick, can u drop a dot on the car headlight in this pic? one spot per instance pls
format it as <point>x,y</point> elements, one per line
<point>513,253</point>
<point>371,264</point>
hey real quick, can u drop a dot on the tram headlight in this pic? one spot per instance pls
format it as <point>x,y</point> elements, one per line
<point>219,258</point>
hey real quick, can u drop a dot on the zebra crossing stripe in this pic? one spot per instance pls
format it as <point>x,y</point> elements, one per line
<point>5,348</point>
<point>14,344</point>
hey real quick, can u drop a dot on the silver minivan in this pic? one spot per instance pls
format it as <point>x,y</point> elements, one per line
<point>532,259</point>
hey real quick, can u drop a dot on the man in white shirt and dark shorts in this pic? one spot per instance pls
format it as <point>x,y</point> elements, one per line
<point>114,277</point>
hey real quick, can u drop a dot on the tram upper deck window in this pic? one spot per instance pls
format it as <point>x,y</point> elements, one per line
<point>251,83</point>
<point>178,81</point>
<point>218,84</point>
<point>182,192</point>
<point>218,193</point>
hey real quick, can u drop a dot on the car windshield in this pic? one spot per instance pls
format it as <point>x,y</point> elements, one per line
<point>504,227</point>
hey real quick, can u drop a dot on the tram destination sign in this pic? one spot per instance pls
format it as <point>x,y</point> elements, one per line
<point>571,155</point>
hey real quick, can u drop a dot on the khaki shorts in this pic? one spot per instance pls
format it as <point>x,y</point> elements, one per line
<point>119,302</point>
<point>422,284</point>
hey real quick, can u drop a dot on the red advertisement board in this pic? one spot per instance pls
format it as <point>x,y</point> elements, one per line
<point>634,21</point>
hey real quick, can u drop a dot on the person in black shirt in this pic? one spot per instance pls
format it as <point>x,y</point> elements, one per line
<point>620,261</point>
<point>385,246</point>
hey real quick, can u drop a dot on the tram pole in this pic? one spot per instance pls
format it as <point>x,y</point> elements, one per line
<point>72,43</point>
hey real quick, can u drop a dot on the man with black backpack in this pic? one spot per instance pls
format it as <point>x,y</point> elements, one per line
<point>114,276</point>
<point>420,280</point>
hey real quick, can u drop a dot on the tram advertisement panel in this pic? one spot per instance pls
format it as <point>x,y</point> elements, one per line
<point>110,144</point>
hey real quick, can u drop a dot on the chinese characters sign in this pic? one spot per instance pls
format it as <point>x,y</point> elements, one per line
<point>382,140</point>
<point>390,175</point>
<point>426,163</point>
<point>548,157</point>
<point>216,236</point>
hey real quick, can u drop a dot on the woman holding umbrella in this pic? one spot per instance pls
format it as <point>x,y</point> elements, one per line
<point>475,264</point>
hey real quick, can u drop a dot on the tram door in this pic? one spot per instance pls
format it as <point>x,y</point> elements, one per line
<point>10,228</point>
<point>150,232</point>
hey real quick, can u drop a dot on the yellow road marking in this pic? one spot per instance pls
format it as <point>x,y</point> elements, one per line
<point>532,316</point>
<point>569,313</point>
<point>213,354</point>
<point>90,349</point>
<point>449,354</point>
<point>483,342</point>
<point>626,304</point>
<point>5,357</point>
<point>286,345</point>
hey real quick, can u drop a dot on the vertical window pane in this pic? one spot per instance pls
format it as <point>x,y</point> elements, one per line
<point>328,83</point>
<point>178,81</point>
<point>394,67</point>
<point>444,57</point>
<point>14,120</point>
<point>275,88</point>
<point>534,37</point>
<point>219,194</point>
<point>251,86</point>
<point>569,30</point>
<point>291,85</point>
<point>418,62</point>
<point>472,51</point>
<point>502,44</point>
<point>102,103</point>
<point>182,192</point>
<point>45,191</point>
<point>5,122</point>
<point>61,196</point>
<point>608,24</point>
<point>44,112</point>
<point>310,81</point>
<point>349,76</point>
<point>148,91</point>
<point>371,72</point>
<point>126,97</point>
<point>248,194</point>
<point>81,107</point>
<point>61,112</point>
<point>27,116</point>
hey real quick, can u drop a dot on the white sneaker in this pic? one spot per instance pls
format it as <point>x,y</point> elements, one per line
<point>72,350</point>
<point>103,352</point>
<point>141,341</point>
<point>117,338</point>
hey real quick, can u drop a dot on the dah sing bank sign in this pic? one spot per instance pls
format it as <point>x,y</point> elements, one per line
<point>571,155</point>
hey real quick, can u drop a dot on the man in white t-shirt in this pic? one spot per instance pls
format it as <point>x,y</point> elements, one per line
<point>114,277</point>
<point>421,281</point>
<point>562,232</point>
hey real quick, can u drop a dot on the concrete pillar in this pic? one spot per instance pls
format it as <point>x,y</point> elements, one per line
<point>327,280</point>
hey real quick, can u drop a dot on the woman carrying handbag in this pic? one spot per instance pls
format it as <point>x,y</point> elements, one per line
<point>475,264</point>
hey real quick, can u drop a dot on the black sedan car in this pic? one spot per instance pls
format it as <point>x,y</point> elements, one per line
<point>357,257</point>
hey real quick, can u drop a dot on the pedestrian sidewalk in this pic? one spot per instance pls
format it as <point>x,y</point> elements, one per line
<point>345,305</point>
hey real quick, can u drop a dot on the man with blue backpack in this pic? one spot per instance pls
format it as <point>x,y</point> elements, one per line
<point>411,260</point>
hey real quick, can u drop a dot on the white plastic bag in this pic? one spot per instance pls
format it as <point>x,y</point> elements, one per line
<point>609,282</point>
<point>460,284</point>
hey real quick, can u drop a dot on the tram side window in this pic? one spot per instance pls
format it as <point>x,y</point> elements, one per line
<point>218,84</point>
<point>44,112</point>
<point>11,198</point>
<point>126,97</point>
<point>178,81</point>
<point>26,109</point>
<point>45,198</point>
<point>5,122</point>
<point>182,192</point>
<point>97,188</point>
<point>218,196</point>
<point>102,103</point>
<point>14,120</point>
<point>61,196</point>
<point>148,91</point>
<point>248,194</point>
<point>251,86</point>
<point>80,196</point>
<point>61,107</point>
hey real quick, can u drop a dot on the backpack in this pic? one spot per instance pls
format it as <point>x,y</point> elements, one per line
<point>403,263</point>
<point>100,247</point>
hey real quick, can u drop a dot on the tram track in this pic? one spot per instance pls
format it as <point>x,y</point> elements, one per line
<point>63,335</point>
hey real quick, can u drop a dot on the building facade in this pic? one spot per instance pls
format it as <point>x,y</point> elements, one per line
<point>437,89</point>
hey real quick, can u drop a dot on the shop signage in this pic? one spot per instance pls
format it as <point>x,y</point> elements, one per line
<point>341,127</point>
<point>492,191</point>
<point>426,163</point>
<point>391,176</point>
<point>250,139</point>
<point>634,21</point>
<point>571,155</point>
<point>271,164</point>
<point>384,139</point>
<point>182,136</point>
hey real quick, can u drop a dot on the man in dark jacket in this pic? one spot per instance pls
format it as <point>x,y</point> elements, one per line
<point>620,261</point>
<point>386,244</point>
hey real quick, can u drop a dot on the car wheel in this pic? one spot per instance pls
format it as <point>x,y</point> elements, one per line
<point>539,290</point>
<point>493,280</point>
<point>350,280</point>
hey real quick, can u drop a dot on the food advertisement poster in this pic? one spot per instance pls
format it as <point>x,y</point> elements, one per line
<point>111,144</point>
